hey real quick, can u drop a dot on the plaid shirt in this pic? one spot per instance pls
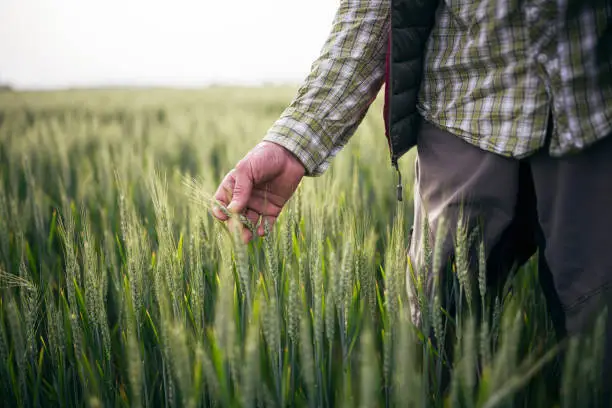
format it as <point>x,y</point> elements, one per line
<point>495,72</point>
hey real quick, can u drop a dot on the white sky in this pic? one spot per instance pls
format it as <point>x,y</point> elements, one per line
<point>61,43</point>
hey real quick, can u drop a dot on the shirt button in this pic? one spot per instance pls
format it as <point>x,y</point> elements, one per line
<point>542,59</point>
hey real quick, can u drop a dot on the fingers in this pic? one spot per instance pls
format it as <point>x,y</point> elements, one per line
<point>236,191</point>
<point>254,219</point>
<point>245,234</point>
<point>252,216</point>
<point>257,206</point>
<point>218,213</point>
<point>270,220</point>
<point>224,195</point>
<point>243,186</point>
<point>261,205</point>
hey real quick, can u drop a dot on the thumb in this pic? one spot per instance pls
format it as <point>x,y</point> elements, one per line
<point>242,189</point>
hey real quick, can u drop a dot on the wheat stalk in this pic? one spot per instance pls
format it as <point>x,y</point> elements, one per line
<point>200,197</point>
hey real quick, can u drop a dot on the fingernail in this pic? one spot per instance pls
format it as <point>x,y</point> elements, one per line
<point>231,206</point>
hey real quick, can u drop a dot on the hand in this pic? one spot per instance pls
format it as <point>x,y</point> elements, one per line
<point>262,182</point>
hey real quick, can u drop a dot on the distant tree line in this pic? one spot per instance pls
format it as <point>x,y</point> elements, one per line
<point>4,86</point>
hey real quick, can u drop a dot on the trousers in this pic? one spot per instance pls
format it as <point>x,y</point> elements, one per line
<point>559,208</point>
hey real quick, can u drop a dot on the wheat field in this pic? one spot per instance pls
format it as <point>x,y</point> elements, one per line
<point>118,288</point>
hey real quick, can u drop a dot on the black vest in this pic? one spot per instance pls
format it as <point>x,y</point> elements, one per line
<point>411,24</point>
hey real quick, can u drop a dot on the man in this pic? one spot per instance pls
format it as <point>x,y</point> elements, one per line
<point>515,98</point>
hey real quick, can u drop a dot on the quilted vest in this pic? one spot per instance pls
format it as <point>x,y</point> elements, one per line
<point>411,24</point>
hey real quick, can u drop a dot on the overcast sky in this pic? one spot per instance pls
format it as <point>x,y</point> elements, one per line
<point>62,43</point>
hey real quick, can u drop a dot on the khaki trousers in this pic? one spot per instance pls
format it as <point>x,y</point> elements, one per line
<point>561,206</point>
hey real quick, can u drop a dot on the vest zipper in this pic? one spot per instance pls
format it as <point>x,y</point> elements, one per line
<point>399,189</point>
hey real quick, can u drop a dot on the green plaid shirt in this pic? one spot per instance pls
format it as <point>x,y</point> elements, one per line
<point>495,72</point>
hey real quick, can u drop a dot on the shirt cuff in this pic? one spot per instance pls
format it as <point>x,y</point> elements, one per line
<point>299,138</point>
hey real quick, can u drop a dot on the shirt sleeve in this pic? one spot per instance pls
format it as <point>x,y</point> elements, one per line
<point>342,84</point>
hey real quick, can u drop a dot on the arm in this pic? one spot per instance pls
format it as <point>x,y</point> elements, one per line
<point>329,106</point>
<point>342,84</point>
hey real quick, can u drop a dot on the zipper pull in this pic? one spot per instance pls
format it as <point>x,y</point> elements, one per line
<point>399,188</point>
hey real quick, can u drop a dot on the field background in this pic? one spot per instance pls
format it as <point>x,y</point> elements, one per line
<point>119,289</point>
